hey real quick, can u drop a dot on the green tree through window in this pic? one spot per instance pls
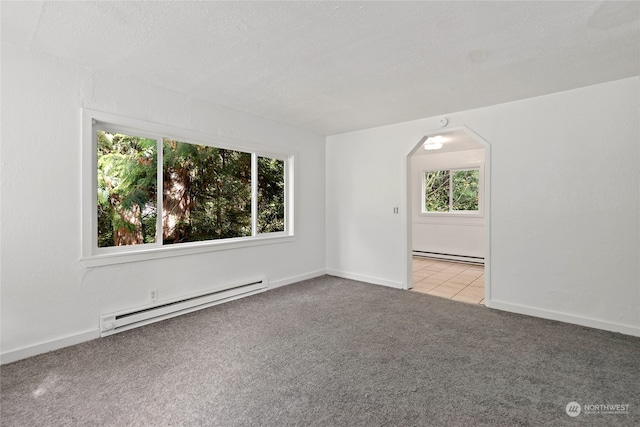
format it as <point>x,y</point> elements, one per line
<point>271,195</point>
<point>464,196</point>
<point>206,192</point>
<point>437,184</point>
<point>127,168</point>
<point>451,190</point>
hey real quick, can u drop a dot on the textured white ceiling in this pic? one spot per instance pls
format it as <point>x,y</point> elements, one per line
<point>333,67</point>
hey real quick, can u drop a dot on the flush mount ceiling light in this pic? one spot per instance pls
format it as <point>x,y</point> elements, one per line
<point>433,143</point>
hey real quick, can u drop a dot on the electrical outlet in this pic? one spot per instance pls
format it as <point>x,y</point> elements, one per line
<point>153,295</point>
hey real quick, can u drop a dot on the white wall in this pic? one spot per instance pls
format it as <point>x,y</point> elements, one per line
<point>565,203</point>
<point>565,234</point>
<point>450,234</point>
<point>49,298</point>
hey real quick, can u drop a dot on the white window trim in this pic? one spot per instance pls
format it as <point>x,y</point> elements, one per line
<point>92,256</point>
<point>468,214</point>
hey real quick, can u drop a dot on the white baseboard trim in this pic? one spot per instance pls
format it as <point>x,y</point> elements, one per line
<point>294,279</point>
<point>368,279</point>
<point>45,347</point>
<point>566,318</point>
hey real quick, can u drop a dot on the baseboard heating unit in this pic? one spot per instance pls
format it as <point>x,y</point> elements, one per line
<point>450,257</point>
<point>129,319</point>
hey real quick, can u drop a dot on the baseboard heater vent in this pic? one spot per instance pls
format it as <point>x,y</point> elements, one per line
<point>125,320</point>
<point>450,257</point>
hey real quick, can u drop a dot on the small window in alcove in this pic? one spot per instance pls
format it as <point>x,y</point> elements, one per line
<point>452,190</point>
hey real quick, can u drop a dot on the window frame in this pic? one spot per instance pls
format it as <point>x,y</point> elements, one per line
<point>452,213</point>
<point>92,255</point>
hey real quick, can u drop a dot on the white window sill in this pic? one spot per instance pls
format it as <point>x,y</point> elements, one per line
<point>168,251</point>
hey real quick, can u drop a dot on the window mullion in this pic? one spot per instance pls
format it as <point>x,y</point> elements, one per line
<point>450,191</point>
<point>160,189</point>
<point>254,194</point>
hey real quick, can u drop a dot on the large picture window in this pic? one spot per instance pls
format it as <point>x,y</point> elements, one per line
<point>152,191</point>
<point>451,191</point>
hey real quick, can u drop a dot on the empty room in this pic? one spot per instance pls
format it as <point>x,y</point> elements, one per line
<point>320,213</point>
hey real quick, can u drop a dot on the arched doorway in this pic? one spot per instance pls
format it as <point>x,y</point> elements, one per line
<point>448,236</point>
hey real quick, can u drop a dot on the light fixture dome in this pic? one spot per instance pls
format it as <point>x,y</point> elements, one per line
<point>433,143</point>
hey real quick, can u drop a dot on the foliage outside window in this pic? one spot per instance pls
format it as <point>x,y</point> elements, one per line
<point>184,193</point>
<point>127,209</point>
<point>451,190</point>
<point>206,193</point>
<point>270,195</point>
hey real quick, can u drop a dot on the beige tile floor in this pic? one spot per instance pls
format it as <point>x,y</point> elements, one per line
<point>452,280</point>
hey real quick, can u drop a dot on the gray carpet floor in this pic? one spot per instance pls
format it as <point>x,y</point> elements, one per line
<point>331,352</point>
